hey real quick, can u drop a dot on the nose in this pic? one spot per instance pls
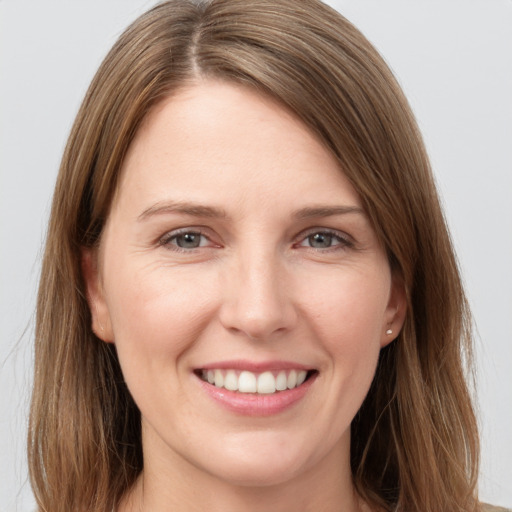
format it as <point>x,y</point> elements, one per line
<point>258,298</point>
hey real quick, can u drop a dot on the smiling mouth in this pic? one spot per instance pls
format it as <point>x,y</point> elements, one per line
<point>264,383</point>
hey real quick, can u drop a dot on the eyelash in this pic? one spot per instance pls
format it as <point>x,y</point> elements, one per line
<point>168,238</point>
<point>342,239</point>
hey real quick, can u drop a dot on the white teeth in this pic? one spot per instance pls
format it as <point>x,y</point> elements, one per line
<point>231,381</point>
<point>219,379</point>
<point>281,381</point>
<point>301,377</point>
<point>292,379</point>
<point>248,382</point>
<point>266,383</point>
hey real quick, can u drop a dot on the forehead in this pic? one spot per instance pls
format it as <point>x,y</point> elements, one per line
<point>226,144</point>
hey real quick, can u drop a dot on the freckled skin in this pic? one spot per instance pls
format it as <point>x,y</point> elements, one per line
<point>259,286</point>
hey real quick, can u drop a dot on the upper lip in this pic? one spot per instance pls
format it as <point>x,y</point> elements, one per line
<point>255,366</point>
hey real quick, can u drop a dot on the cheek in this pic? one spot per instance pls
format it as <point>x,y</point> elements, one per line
<point>156,314</point>
<point>352,308</point>
<point>156,319</point>
<point>348,320</point>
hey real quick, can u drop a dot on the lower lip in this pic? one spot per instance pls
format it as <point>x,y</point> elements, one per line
<point>252,404</point>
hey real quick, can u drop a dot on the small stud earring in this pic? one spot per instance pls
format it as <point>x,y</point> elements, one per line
<point>389,331</point>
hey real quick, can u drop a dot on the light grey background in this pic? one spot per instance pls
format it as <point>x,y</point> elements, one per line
<point>454,60</point>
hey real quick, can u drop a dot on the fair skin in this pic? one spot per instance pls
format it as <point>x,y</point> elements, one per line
<point>235,244</point>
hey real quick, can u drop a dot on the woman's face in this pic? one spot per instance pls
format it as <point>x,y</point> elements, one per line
<point>237,255</point>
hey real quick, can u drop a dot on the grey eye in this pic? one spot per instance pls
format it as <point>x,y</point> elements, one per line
<point>320,240</point>
<point>188,240</point>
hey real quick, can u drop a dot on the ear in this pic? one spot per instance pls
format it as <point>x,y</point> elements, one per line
<point>396,310</point>
<point>101,323</point>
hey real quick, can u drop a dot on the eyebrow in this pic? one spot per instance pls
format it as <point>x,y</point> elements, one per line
<point>327,211</point>
<point>199,210</point>
<point>182,207</point>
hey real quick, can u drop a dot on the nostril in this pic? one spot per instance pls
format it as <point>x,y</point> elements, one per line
<point>258,327</point>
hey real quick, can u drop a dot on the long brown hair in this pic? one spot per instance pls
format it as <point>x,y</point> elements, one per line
<point>414,441</point>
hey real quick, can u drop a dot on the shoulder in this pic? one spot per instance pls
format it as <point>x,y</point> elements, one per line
<point>491,508</point>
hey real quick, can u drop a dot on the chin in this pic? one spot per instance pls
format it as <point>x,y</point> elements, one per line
<point>248,473</point>
<point>261,462</point>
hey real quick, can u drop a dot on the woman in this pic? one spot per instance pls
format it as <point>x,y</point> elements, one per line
<point>249,298</point>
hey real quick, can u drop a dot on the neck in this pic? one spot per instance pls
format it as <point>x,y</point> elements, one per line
<point>278,498</point>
